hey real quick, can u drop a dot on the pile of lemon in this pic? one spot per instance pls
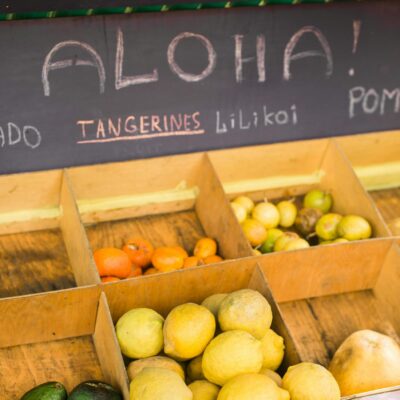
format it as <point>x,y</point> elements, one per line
<point>223,349</point>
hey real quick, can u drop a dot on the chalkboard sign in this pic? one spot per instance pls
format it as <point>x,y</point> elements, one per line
<point>98,89</point>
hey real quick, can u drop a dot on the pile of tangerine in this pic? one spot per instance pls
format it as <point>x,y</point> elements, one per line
<point>139,257</point>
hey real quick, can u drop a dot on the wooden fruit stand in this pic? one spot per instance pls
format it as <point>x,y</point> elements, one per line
<point>57,318</point>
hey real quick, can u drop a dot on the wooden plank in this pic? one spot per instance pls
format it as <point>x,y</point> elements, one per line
<point>319,325</point>
<point>286,160</point>
<point>48,316</point>
<point>258,282</point>
<point>387,288</point>
<point>217,216</point>
<point>388,203</point>
<point>69,361</point>
<point>324,270</point>
<point>175,229</point>
<point>34,262</point>
<point>164,291</point>
<point>76,241</point>
<point>349,196</point>
<point>134,177</point>
<point>108,349</point>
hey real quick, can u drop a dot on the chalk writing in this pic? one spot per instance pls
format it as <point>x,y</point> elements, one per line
<point>14,135</point>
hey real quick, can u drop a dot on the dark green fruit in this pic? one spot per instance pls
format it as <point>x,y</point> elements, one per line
<point>326,227</point>
<point>307,219</point>
<point>46,391</point>
<point>354,227</point>
<point>318,199</point>
<point>94,390</point>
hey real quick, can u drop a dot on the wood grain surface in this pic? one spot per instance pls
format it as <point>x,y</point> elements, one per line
<point>175,229</point>
<point>34,262</point>
<point>319,325</point>
<point>388,203</point>
<point>69,361</point>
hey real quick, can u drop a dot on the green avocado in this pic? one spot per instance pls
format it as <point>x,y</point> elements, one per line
<point>94,390</point>
<point>46,391</point>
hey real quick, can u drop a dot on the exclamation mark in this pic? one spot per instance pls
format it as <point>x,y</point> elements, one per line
<point>356,36</point>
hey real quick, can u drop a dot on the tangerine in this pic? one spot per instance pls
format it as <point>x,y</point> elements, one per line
<point>106,279</point>
<point>139,251</point>
<point>167,259</point>
<point>212,259</point>
<point>112,262</point>
<point>135,271</point>
<point>190,262</point>
<point>151,271</point>
<point>205,247</point>
<point>182,251</point>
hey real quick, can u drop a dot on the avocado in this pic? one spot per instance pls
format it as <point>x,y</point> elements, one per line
<point>94,390</point>
<point>46,391</point>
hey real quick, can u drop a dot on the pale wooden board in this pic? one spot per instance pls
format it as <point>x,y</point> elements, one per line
<point>319,325</point>
<point>388,203</point>
<point>174,229</point>
<point>34,262</point>
<point>69,361</point>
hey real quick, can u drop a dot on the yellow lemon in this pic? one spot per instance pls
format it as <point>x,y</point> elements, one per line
<point>194,370</point>
<point>245,310</point>
<point>139,333</point>
<point>273,375</point>
<point>188,329</point>
<point>204,390</point>
<point>160,384</point>
<point>135,367</point>
<point>213,302</point>
<point>310,381</point>
<point>273,350</point>
<point>252,387</point>
<point>230,354</point>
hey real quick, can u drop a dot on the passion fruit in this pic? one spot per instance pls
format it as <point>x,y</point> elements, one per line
<point>307,219</point>
<point>326,227</point>
<point>288,212</point>
<point>246,202</point>
<point>267,214</point>
<point>354,227</point>
<point>240,211</point>
<point>254,232</point>
<point>296,244</point>
<point>272,235</point>
<point>319,199</point>
<point>283,240</point>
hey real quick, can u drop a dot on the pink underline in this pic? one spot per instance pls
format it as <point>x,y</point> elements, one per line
<point>154,135</point>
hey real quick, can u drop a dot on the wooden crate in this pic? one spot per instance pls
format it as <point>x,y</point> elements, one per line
<point>67,336</point>
<point>335,291</point>
<point>50,222</point>
<point>291,169</point>
<point>42,243</point>
<point>170,201</point>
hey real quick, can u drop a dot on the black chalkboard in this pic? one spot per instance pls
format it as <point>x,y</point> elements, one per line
<point>97,89</point>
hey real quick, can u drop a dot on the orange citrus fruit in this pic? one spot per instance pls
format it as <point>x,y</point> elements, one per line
<point>106,279</point>
<point>135,271</point>
<point>212,259</point>
<point>181,251</point>
<point>167,259</point>
<point>112,262</point>
<point>190,262</point>
<point>151,271</point>
<point>139,251</point>
<point>205,247</point>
